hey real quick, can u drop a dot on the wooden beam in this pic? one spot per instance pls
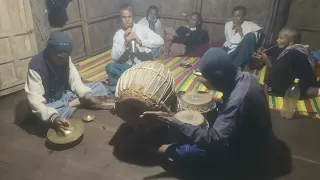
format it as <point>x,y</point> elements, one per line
<point>100,50</point>
<point>12,89</point>
<point>103,18</point>
<point>309,29</point>
<point>85,28</point>
<point>78,56</point>
<point>29,19</point>
<point>162,16</point>
<point>94,52</point>
<point>67,27</point>
<point>183,18</point>
<point>17,32</point>
<point>199,6</point>
<point>215,20</point>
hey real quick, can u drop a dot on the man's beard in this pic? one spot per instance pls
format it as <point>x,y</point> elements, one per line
<point>64,72</point>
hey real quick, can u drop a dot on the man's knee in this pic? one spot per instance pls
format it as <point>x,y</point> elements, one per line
<point>110,68</point>
<point>250,37</point>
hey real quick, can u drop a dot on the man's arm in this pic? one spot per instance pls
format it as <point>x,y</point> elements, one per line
<point>35,94</point>
<point>204,37</point>
<point>76,83</point>
<point>159,29</point>
<point>303,70</point>
<point>227,35</point>
<point>119,52</point>
<point>222,129</point>
<point>152,39</point>
<point>181,38</point>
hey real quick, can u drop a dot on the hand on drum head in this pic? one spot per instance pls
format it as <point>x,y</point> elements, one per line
<point>164,116</point>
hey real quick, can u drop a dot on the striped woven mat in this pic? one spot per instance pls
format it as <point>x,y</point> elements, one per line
<point>93,69</point>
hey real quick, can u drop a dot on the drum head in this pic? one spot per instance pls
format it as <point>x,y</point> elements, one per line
<point>190,117</point>
<point>197,98</point>
<point>197,101</point>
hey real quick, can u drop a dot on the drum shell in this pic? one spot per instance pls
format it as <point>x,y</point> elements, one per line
<point>146,86</point>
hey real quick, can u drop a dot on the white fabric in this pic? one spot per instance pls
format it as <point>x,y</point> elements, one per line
<point>233,39</point>
<point>35,92</point>
<point>148,38</point>
<point>158,26</point>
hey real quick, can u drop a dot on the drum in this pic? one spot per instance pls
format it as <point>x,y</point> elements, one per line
<point>147,86</point>
<point>197,101</point>
<point>192,117</point>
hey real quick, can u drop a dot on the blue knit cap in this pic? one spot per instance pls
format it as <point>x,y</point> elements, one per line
<point>61,42</point>
<point>217,60</point>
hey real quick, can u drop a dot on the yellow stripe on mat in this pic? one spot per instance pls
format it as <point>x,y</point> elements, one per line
<point>84,62</point>
<point>188,82</point>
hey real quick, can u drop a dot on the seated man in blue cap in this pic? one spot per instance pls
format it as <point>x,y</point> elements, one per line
<point>242,128</point>
<point>54,87</point>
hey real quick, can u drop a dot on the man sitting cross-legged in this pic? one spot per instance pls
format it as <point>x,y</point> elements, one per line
<point>185,38</point>
<point>145,38</point>
<point>288,61</point>
<point>54,87</point>
<point>242,129</point>
<point>241,37</point>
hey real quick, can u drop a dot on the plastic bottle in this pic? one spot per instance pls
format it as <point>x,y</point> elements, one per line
<point>290,100</point>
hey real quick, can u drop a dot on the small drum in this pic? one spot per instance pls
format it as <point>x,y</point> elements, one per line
<point>192,117</point>
<point>197,101</point>
<point>147,86</point>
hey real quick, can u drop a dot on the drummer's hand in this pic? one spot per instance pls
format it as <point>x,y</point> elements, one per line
<point>94,101</point>
<point>91,100</point>
<point>159,115</point>
<point>61,124</point>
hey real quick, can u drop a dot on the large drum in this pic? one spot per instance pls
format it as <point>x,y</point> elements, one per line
<point>147,86</point>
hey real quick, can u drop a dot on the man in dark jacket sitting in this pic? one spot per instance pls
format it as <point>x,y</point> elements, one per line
<point>185,38</point>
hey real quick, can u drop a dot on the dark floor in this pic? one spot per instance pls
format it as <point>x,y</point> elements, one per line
<point>24,154</point>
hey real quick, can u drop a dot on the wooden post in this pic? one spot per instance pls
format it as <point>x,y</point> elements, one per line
<point>199,6</point>
<point>85,28</point>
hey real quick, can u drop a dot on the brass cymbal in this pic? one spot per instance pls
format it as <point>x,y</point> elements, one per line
<point>76,131</point>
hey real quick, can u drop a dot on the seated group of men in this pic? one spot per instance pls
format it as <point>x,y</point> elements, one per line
<point>243,127</point>
<point>242,40</point>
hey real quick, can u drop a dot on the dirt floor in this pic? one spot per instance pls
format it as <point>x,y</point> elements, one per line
<point>104,154</point>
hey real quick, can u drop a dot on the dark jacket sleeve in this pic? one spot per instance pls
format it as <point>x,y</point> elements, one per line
<point>303,70</point>
<point>204,37</point>
<point>220,132</point>
<point>181,38</point>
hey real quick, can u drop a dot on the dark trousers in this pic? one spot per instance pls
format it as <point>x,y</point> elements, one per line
<point>114,71</point>
<point>242,55</point>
